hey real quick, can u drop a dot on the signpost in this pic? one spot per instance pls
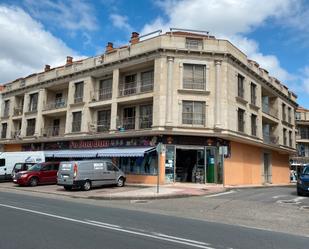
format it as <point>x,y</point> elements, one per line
<point>159,150</point>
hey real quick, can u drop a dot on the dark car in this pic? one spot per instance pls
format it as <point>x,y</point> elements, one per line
<point>303,182</point>
<point>40,173</point>
<point>21,167</point>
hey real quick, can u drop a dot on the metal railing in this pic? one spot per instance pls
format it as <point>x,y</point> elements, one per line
<point>269,110</point>
<point>270,139</point>
<point>59,103</point>
<point>145,122</point>
<point>18,111</point>
<point>193,119</point>
<point>78,99</point>
<point>101,94</point>
<point>126,123</point>
<point>53,131</point>
<point>100,126</point>
<point>16,134</point>
<point>135,88</point>
<point>30,130</point>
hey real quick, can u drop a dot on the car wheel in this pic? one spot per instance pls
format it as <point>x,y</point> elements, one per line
<point>120,182</point>
<point>67,187</point>
<point>86,186</point>
<point>33,182</point>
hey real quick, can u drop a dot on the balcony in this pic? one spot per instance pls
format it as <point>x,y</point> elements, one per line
<point>16,134</point>
<point>18,111</point>
<point>270,139</point>
<point>126,124</point>
<point>270,110</point>
<point>101,94</point>
<point>145,122</point>
<point>100,126</point>
<point>78,99</point>
<point>59,103</point>
<point>136,88</point>
<point>53,131</point>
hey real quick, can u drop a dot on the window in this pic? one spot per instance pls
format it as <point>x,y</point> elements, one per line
<point>30,127</point>
<point>284,137</point>
<point>105,89</point>
<point>289,115</point>
<point>59,101</point>
<point>129,118</point>
<point>194,43</point>
<point>110,167</point>
<point>79,92</point>
<point>304,132</point>
<point>2,162</point>
<point>253,94</point>
<point>6,111</point>
<point>253,125</point>
<point>241,87</point>
<point>194,76</point>
<point>33,105</point>
<point>104,118</point>
<point>145,116</point>
<point>193,112</point>
<point>283,112</point>
<point>241,120</point>
<point>76,123</point>
<point>4,130</point>
<point>298,116</point>
<point>147,81</point>
<point>129,86</point>
<point>290,138</point>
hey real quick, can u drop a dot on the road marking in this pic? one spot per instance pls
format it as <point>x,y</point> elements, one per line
<point>219,194</point>
<point>192,243</point>
<point>188,240</point>
<point>278,196</point>
<point>102,223</point>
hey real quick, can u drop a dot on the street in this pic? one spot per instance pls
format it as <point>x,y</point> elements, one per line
<point>33,221</point>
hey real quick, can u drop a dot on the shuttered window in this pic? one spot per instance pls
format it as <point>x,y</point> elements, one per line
<point>194,76</point>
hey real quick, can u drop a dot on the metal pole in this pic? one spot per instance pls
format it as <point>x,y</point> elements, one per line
<point>158,178</point>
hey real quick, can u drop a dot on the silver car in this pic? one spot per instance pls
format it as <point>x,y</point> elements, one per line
<point>88,174</point>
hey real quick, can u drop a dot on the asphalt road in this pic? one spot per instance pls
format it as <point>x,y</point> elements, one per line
<point>31,222</point>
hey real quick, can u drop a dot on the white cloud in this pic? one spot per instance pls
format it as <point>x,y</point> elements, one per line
<point>25,46</point>
<point>305,79</point>
<point>228,19</point>
<point>72,15</point>
<point>120,22</point>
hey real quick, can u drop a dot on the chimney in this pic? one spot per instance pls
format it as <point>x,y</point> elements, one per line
<point>69,60</point>
<point>109,47</point>
<point>47,68</point>
<point>134,38</point>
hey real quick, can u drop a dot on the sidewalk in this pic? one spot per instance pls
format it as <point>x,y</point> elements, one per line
<point>129,192</point>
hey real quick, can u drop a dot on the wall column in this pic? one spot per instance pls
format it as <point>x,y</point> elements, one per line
<point>114,106</point>
<point>169,93</point>
<point>218,95</point>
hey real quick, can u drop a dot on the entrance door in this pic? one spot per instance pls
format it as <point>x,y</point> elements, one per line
<point>186,160</point>
<point>267,168</point>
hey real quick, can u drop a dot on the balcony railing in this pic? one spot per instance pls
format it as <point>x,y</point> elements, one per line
<point>30,130</point>
<point>101,94</point>
<point>100,126</point>
<point>145,122</point>
<point>16,134</point>
<point>18,111</point>
<point>78,99</point>
<point>136,88</point>
<point>59,103</point>
<point>269,110</point>
<point>270,139</point>
<point>126,123</point>
<point>53,131</point>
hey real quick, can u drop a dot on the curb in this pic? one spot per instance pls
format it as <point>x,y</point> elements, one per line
<point>261,186</point>
<point>162,197</point>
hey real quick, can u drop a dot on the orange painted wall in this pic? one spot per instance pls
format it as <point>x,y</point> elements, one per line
<point>280,168</point>
<point>12,147</point>
<point>244,166</point>
<point>149,179</point>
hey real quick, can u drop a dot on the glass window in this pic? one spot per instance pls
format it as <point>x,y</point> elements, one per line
<point>253,125</point>
<point>241,87</point>
<point>4,130</point>
<point>79,92</point>
<point>283,112</point>
<point>129,118</point>
<point>30,127</point>
<point>104,118</point>
<point>105,89</point>
<point>298,115</point>
<point>129,86</point>
<point>2,162</point>
<point>194,76</point>
<point>33,105</point>
<point>253,94</point>
<point>241,120</point>
<point>147,81</point>
<point>145,116</point>
<point>76,123</point>
<point>139,165</point>
<point>193,112</point>
<point>6,110</point>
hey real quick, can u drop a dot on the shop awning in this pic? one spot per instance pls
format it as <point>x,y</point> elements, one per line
<point>107,152</point>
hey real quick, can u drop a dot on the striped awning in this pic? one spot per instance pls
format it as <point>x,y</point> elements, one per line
<point>106,152</point>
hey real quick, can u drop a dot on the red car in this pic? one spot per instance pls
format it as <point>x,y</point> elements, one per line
<point>40,173</point>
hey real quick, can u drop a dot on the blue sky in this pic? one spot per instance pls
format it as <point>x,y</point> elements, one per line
<point>274,33</point>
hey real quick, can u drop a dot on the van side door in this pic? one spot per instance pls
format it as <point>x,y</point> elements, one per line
<point>111,172</point>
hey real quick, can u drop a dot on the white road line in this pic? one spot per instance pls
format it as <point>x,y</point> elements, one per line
<point>219,194</point>
<point>110,227</point>
<point>102,223</point>
<point>188,240</point>
<point>278,196</point>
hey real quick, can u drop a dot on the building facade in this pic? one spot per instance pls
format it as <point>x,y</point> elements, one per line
<point>219,116</point>
<point>302,140</point>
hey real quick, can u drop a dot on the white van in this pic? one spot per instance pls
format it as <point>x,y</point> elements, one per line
<point>9,159</point>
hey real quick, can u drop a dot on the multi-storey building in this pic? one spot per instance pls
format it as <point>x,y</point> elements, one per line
<point>220,116</point>
<point>302,139</point>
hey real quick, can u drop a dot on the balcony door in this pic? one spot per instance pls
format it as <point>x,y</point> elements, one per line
<point>267,168</point>
<point>129,118</point>
<point>56,127</point>
<point>59,100</point>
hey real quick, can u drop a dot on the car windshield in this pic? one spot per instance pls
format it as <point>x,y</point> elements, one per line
<point>306,171</point>
<point>35,167</point>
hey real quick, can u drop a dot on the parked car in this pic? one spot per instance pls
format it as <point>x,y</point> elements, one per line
<point>88,174</point>
<point>40,173</point>
<point>303,182</point>
<point>21,167</point>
